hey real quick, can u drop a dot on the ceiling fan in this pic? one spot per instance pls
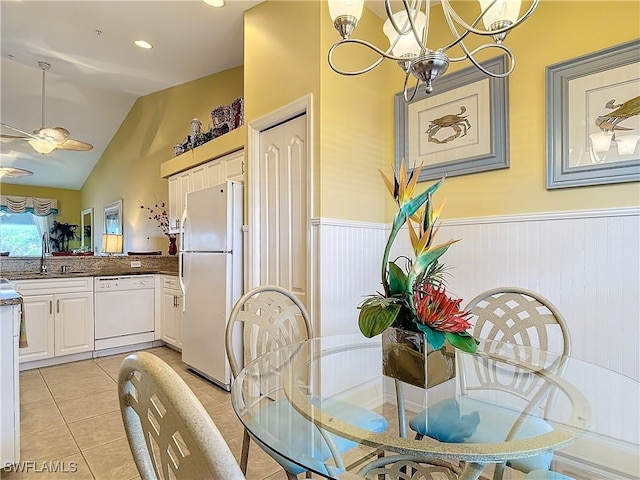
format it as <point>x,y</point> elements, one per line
<point>47,139</point>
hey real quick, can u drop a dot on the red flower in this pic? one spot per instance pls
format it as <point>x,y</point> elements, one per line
<point>437,310</point>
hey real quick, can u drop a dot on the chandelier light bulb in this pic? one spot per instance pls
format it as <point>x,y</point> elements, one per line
<point>345,15</point>
<point>338,8</point>
<point>405,44</point>
<point>500,12</point>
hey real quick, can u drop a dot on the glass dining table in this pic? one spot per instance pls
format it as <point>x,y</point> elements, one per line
<point>591,412</point>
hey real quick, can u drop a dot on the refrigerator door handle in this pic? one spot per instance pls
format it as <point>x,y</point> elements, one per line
<point>181,278</point>
<point>183,222</point>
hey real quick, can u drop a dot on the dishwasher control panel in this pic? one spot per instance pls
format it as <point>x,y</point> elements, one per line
<point>128,282</point>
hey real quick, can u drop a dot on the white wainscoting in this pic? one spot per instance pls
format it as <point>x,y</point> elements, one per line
<point>587,263</point>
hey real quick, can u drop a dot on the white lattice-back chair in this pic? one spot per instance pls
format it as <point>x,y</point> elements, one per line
<point>268,317</point>
<point>527,327</point>
<point>406,467</point>
<point>170,433</point>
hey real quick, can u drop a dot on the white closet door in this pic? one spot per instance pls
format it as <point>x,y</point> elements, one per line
<point>283,216</point>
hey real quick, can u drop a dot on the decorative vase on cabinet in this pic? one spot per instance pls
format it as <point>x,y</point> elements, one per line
<point>173,248</point>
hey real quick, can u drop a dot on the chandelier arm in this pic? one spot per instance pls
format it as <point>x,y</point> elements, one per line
<point>377,62</point>
<point>469,55</point>
<point>447,9</point>
<point>420,39</point>
<point>404,89</point>
<point>497,31</point>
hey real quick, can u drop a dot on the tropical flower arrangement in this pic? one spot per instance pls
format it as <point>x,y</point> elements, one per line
<point>415,298</point>
<point>159,213</point>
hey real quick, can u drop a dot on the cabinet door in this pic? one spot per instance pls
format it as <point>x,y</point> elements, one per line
<point>171,317</point>
<point>214,173</point>
<point>179,186</point>
<point>74,326</point>
<point>234,166</point>
<point>39,320</point>
<point>198,180</point>
<point>174,200</point>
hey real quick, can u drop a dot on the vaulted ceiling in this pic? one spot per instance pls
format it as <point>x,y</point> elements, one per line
<point>97,72</point>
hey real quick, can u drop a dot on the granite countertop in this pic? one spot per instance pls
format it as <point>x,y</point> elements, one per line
<point>17,276</point>
<point>8,296</point>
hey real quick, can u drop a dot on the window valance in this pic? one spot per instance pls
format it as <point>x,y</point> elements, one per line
<point>38,206</point>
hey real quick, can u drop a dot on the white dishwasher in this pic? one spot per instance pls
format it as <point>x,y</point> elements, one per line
<point>124,310</point>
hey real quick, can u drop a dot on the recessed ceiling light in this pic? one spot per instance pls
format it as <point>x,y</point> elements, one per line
<point>143,44</point>
<point>214,3</point>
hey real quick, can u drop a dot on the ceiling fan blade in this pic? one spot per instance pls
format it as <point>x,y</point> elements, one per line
<point>17,137</point>
<point>26,134</point>
<point>75,145</point>
<point>47,139</point>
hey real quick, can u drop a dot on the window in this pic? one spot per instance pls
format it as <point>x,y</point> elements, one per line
<point>19,235</point>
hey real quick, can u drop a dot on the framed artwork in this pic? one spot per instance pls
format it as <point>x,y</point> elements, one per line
<point>461,128</point>
<point>593,118</point>
<point>113,218</point>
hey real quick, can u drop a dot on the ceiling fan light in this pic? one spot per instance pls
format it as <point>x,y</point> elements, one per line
<point>42,146</point>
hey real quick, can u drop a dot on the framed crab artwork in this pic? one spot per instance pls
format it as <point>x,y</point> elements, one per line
<point>461,128</point>
<point>593,118</point>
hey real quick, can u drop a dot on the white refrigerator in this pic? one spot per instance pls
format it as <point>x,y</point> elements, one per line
<point>210,268</point>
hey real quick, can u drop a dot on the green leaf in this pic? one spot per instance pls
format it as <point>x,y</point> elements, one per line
<point>463,341</point>
<point>434,337</point>
<point>398,281</point>
<point>412,206</point>
<point>376,315</point>
<point>427,258</point>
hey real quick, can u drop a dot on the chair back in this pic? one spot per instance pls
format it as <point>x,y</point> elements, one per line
<point>409,467</point>
<point>519,316</point>
<point>534,331</point>
<point>267,317</point>
<point>170,433</point>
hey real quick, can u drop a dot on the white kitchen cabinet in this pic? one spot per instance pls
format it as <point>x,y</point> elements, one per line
<point>215,172</point>
<point>171,309</point>
<point>10,381</point>
<point>58,317</point>
<point>179,186</point>
<point>73,333</point>
<point>38,311</point>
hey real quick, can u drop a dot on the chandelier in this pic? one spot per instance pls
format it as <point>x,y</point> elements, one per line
<point>408,30</point>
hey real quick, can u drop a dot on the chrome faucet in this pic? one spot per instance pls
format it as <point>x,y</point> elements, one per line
<point>45,251</point>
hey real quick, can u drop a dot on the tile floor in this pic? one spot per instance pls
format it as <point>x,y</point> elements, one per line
<point>70,413</point>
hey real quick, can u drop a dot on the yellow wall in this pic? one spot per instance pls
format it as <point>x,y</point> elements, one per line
<point>356,124</point>
<point>281,62</point>
<point>129,169</point>
<point>352,124</point>
<point>354,116</point>
<point>557,31</point>
<point>68,200</point>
